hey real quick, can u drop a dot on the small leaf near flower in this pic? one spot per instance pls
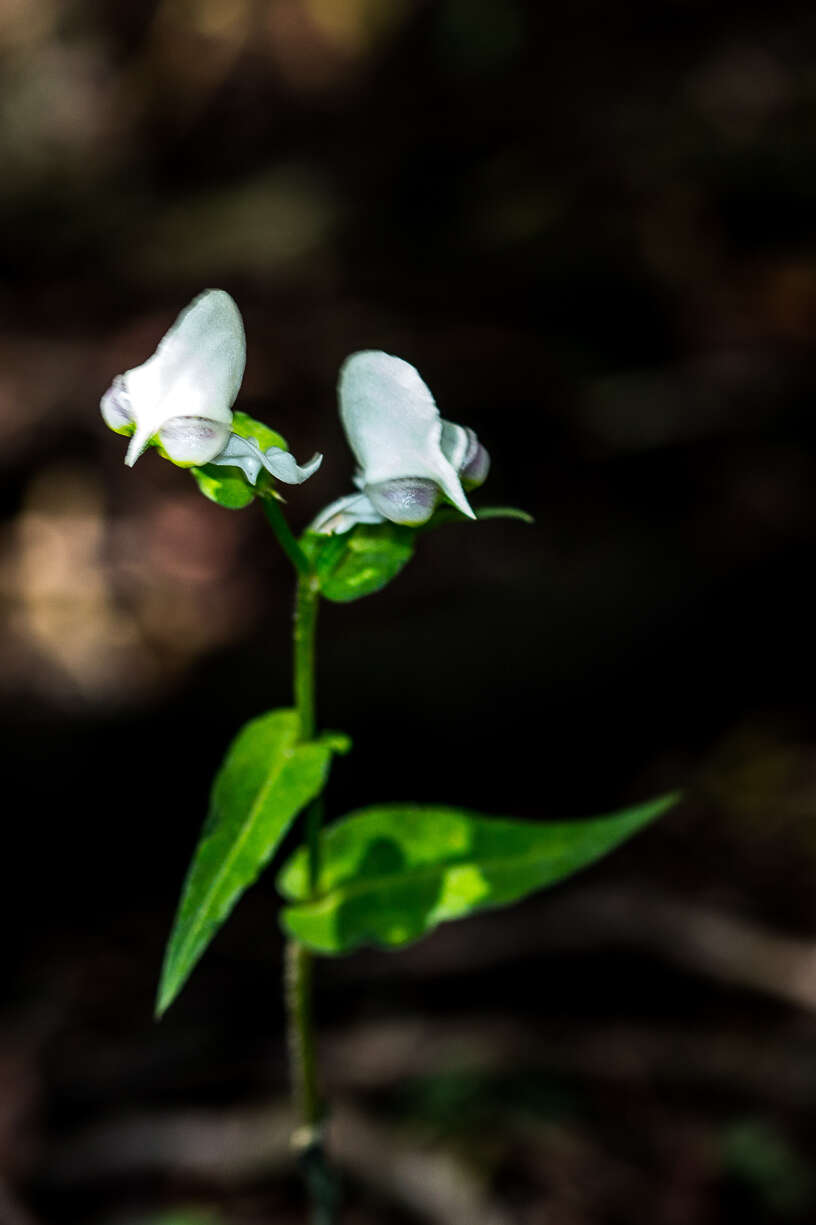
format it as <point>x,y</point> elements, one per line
<point>359,562</point>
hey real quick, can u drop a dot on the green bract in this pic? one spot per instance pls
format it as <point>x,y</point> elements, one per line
<point>359,562</point>
<point>364,559</point>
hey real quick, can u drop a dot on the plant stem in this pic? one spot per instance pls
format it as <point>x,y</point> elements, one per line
<point>273,512</point>
<point>306,606</point>
<point>297,981</point>
<point>308,1138</point>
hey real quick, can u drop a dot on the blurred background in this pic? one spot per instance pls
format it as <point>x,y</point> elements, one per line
<point>593,229</point>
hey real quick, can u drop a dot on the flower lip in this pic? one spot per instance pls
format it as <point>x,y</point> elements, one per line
<point>186,389</point>
<point>247,454</point>
<point>407,499</point>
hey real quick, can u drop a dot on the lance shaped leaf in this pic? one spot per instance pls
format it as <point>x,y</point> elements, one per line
<point>266,778</point>
<point>391,873</point>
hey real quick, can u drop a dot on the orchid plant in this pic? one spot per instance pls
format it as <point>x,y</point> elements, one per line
<point>383,875</point>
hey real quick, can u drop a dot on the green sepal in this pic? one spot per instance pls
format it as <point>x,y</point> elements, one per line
<point>391,873</point>
<point>268,775</point>
<point>354,564</point>
<point>228,486</point>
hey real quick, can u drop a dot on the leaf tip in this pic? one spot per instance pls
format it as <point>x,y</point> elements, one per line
<point>664,802</point>
<point>168,990</point>
<point>504,512</point>
<point>337,742</point>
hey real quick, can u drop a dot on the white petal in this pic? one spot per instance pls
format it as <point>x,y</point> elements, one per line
<point>455,443</point>
<point>195,372</point>
<point>246,454</point>
<point>467,455</point>
<point>115,406</point>
<point>283,466</point>
<point>476,467</point>
<point>344,514</point>
<point>393,425</point>
<point>193,440</point>
<point>243,453</point>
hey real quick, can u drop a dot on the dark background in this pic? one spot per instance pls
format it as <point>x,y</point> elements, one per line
<point>591,227</point>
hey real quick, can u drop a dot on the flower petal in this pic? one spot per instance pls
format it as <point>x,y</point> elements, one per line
<point>466,454</point>
<point>116,408</point>
<point>243,453</point>
<point>192,440</point>
<point>408,500</point>
<point>393,425</point>
<point>283,466</point>
<point>454,443</point>
<point>344,514</point>
<point>196,370</point>
<point>246,454</point>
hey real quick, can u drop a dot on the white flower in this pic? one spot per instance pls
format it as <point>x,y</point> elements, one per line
<point>408,456</point>
<point>183,396</point>
<point>184,393</point>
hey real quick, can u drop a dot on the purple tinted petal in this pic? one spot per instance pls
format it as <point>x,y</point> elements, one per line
<point>409,500</point>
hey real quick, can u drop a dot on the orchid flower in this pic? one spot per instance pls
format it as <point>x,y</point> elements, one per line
<point>408,456</point>
<point>182,396</point>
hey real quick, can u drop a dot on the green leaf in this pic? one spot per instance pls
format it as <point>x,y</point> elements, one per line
<point>391,873</point>
<point>228,486</point>
<point>358,563</point>
<point>266,778</point>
